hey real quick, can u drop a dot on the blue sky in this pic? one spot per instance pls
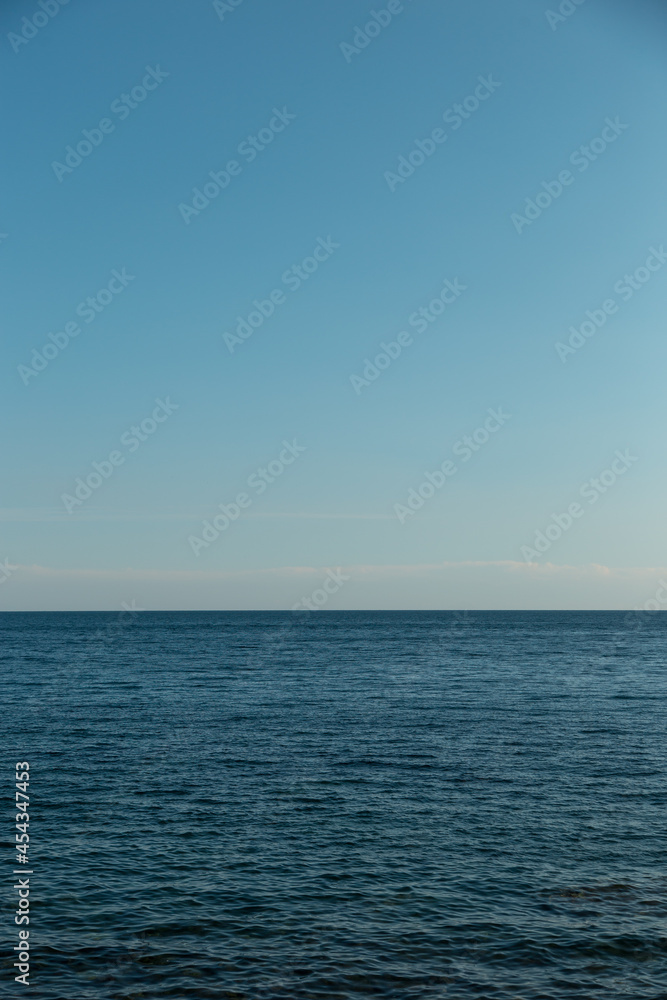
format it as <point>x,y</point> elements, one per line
<point>332,125</point>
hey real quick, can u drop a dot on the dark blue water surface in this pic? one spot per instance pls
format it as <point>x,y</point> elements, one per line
<point>344,805</point>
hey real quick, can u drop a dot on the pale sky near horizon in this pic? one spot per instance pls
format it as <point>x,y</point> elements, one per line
<point>471,193</point>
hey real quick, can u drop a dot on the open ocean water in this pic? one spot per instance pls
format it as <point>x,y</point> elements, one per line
<point>402,805</point>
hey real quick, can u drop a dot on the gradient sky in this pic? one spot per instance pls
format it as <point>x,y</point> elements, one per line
<point>324,177</point>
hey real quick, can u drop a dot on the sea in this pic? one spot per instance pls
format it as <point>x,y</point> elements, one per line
<point>408,805</point>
